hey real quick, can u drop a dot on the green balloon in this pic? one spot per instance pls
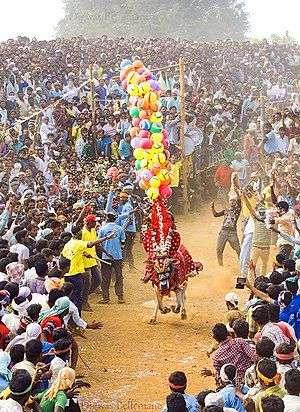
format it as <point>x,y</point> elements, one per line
<point>134,111</point>
<point>137,164</point>
<point>156,128</point>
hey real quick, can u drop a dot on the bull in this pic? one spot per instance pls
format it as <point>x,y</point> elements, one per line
<point>170,274</point>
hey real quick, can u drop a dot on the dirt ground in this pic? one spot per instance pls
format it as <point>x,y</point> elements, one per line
<point>131,360</point>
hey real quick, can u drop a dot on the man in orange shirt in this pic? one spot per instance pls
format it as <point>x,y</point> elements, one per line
<point>222,180</point>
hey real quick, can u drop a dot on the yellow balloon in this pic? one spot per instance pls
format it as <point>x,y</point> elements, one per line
<point>152,193</point>
<point>138,153</point>
<point>148,154</point>
<point>159,158</point>
<point>158,148</point>
<point>156,117</point>
<point>163,175</point>
<point>157,137</point>
<point>133,90</point>
<point>154,181</point>
<point>145,163</point>
<point>133,78</point>
<point>144,87</point>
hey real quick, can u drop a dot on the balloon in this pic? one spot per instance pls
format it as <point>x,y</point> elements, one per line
<point>145,143</point>
<point>128,69</point>
<point>138,154</point>
<point>122,77</point>
<point>132,77</point>
<point>124,84</point>
<point>113,172</point>
<point>137,64</point>
<point>145,125</point>
<point>144,114</point>
<point>148,153</point>
<point>136,121</point>
<point>150,97</point>
<point>134,111</point>
<point>135,142</point>
<point>159,158</point>
<point>125,63</point>
<point>140,78</point>
<point>141,70</point>
<point>158,148</point>
<point>145,163</point>
<point>152,193</point>
<point>154,181</point>
<point>154,169</point>
<point>166,144</point>
<point>154,85</point>
<point>145,174</point>
<point>143,184</point>
<point>137,164</point>
<point>156,117</point>
<point>143,104</point>
<point>163,175</point>
<point>156,128</point>
<point>134,131</point>
<point>167,165</point>
<point>144,134</point>
<point>144,87</point>
<point>164,133</point>
<point>165,191</point>
<point>157,137</point>
<point>133,89</point>
<point>155,106</point>
<point>133,100</point>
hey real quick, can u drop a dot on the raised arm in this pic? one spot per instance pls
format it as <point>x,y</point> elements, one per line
<point>214,212</point>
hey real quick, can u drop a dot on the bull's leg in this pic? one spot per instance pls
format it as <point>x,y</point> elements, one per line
<point>159,305</point>
<point>176,309</point>
<point>183,309</point>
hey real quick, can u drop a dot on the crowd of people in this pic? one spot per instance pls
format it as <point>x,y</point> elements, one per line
<point>71,207</point>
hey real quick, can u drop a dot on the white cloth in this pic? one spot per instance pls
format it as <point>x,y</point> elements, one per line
<point>11,321</point>
<point>291,403</point>
<point>21,250</point>
<point>10,405</point>
<point>74,315</point>
<point>55,366</point>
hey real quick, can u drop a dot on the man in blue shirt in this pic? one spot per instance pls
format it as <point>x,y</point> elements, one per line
<point>270,141</point>
<point>114,247</point>
<point>128,222</point>
<point>125,149</point>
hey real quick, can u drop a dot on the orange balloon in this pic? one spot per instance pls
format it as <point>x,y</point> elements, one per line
<point>137,64</point>
<point>144,114</point>
<point>167,182</point>
<point>155,106</point>
<point>134,131</point>
<point>127,70</point>
<point>155,169</point>
<point>140,79</point>
<point>144,185</point>
<point>167,165</point>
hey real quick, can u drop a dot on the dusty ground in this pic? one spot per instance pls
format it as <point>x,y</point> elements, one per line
<point>130,360</point>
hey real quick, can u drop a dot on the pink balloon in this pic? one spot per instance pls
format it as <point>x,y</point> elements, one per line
<point>136,121</point>
<point>165,191</point>
<point>145,174</point>
<point>166,144</point>
<point>124,84</point>
<point>164,133</point>
<point>141,70</point>
<point>144,134</point>
<point>135,142</point>
<point>146,143</point>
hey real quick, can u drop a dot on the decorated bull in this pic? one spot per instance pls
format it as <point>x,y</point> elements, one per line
<point>169,264</point>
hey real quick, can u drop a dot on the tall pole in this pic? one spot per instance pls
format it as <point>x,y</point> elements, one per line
<point>92,87</point>
<point>182,124</point>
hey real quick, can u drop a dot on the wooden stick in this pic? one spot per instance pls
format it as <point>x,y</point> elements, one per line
<point>182,124</point>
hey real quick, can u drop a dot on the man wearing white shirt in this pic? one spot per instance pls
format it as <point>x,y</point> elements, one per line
<point>3,112</point>
<point>221,94</point>
<point>292,386</point>
<point>45,129</point>
<point>282,142</point>
<point>294,146</point>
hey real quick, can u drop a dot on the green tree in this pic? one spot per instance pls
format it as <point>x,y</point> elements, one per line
<point>195,19</point>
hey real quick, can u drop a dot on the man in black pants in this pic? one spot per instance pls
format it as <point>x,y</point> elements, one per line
<point>114,248</point>
<point>228,232</point>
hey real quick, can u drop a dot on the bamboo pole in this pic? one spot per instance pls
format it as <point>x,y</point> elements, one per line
<point>92,87</point>
<point>182,124</point>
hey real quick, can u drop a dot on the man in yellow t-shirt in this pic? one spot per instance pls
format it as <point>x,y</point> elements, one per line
<point>92,277</point>
<point>175,179</point>
<point>75,250</point>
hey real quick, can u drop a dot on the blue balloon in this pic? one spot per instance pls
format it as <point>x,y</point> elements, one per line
<point>145,125</point>
<point>125,63</point>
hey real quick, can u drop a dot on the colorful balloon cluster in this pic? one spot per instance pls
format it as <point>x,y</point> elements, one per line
<point>148,137</point>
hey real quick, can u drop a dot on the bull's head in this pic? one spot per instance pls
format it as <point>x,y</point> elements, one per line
<point>163,266</point>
